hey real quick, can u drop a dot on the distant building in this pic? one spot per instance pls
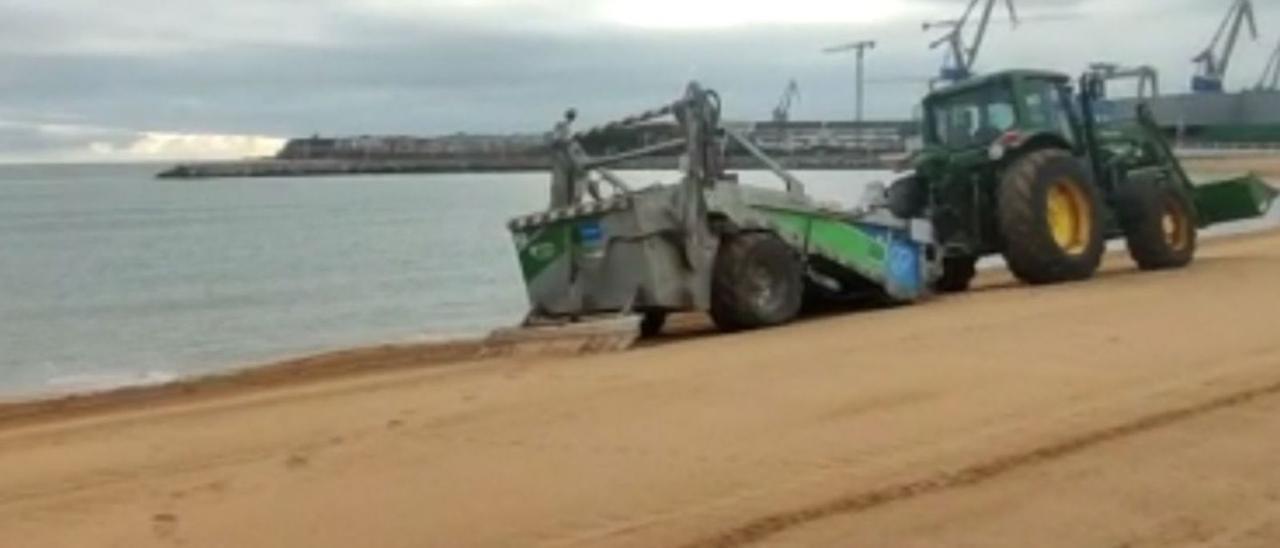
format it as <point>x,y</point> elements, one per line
<point>1244,117</point>
<point>311,147</point>
<point>799,138</point>
<point>864,138</point>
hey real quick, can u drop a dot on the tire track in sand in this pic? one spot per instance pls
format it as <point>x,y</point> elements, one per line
<point>764,527</point>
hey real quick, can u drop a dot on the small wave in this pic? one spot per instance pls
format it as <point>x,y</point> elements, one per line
<point>93,382</point>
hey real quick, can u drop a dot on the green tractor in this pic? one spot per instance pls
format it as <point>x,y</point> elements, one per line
<point>1018,163</point>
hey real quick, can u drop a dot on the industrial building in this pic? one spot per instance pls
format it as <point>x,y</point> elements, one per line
<point>1217,118</point>
<point>866,138</point>
<point>1208,114</point>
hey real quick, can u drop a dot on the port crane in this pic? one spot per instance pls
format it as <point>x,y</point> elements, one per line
<point>782,112</point>
<point>860,49</point>
<point>1213,64</point>
<point>1270,80</point>
<point>1147,76</point>
<point>962,55</point>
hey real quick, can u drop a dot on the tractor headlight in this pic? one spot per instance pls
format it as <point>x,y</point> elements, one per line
<point>1011,139</point>
<point>996,151</point>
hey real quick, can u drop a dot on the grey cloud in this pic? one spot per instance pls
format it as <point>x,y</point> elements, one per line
<point>48,142</point>
<point>337,66</point>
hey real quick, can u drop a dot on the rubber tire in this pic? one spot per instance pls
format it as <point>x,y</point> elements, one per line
<point>957,274</point>
<point>1029,247</point>
<point>1140,210</point>
<point>906,198</point>
<point>735,303</point>
<point>652,322</point>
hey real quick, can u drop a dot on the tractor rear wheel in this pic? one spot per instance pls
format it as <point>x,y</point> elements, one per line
<point>1159,224</point>
<point>957,274</point>
<point>1051,218</point>
<point>758,281</point>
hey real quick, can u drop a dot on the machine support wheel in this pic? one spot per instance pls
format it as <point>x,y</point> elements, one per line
<point>758,281</point>
<point>652,322</point>
<point>1159,224</point>
<point>1051,218</point>
<point>957,274</point>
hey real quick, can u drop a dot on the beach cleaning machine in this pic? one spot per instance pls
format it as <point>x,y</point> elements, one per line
<point>608,261</point>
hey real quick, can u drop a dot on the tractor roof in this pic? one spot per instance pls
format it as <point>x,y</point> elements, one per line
<point>995,77</point>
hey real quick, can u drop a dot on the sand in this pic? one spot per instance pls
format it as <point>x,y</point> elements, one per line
<point>1135,410</point>
<point>1229,164</point>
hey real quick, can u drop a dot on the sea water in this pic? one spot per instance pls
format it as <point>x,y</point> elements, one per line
<point>111,277</point>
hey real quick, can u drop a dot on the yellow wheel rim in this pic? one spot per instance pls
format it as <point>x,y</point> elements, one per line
<point>1175,225</point>
<point>1070,216</point>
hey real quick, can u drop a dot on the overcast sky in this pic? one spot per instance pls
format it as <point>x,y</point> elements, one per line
<point>129,79</point>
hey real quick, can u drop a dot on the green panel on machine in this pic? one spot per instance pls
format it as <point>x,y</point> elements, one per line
<point>1233,200</point>
<point>838,239</point>
<point>540,247</point>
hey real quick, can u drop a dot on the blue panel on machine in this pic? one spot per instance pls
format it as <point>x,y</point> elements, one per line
<point>904,268</point>
<point>590,233</point>
<point>903,272</point>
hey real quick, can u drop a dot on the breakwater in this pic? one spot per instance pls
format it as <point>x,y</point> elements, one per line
<point>318,167</point>
<point>302,168</point>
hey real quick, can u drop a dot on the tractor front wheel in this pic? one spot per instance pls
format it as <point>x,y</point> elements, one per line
<point>1159,224</point>
<point>1051,218</point>
<point>758,281</point>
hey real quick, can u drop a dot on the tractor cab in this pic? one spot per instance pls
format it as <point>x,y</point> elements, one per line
<point>1005,109</point>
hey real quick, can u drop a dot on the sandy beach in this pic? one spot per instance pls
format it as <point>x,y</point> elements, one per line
<point>1138,409</point>
<point>286,275</point>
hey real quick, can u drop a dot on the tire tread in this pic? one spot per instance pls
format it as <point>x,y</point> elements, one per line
<point>1029,248</point>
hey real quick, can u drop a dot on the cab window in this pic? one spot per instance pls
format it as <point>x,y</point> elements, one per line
<point>973,118</point>
<point>1046,108</point>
